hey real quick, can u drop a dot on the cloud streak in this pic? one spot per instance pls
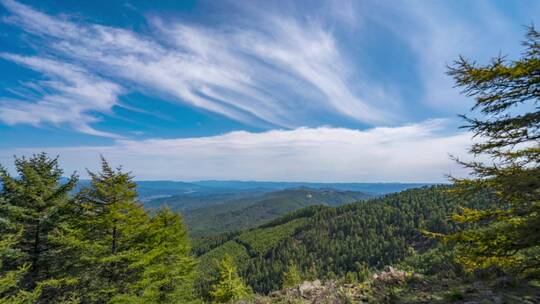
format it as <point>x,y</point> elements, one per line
<point>281,74</point>
<point>409,153</point>
<point>72,93</point>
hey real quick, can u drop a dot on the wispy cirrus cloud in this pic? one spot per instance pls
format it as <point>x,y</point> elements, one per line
<point>280,74</point>
<point>72,94</point>
<point>408,153</point>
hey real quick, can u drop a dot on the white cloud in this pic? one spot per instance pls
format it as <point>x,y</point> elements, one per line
<point>67,97</point>
<point>409,153</point>
<point>281,74</point>
<point>281,68</point>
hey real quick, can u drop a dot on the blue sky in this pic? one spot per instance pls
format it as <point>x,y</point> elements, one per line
<point>262,90</point>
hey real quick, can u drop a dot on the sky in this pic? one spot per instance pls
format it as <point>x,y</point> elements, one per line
<point>322,91</point>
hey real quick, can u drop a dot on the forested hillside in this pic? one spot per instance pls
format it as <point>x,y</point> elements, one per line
<point>328,243</point>
<point>253,210</point>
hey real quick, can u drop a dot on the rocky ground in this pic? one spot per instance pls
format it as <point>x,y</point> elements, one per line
<point>396,286</point>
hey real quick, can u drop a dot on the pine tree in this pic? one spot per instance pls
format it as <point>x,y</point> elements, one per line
<point>229,286</point>
<point>105,236</point>
<point>167,269</point>
<point>506,121</point>
<point>291,277</point>
<point>33,202</point>
<point>117,253</point>
<point>10,291</point>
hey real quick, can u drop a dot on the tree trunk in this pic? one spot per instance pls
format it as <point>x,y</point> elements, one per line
<point>114,236</point>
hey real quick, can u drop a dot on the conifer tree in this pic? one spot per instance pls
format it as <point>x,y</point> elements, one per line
<point>104,237</point>
<point>10,291</point>
<point>506,121</point>
<point>33,202</point>
<point>291,277</point>
<point>167,269</point>
<point>229,286</point>
<point>117,253</point>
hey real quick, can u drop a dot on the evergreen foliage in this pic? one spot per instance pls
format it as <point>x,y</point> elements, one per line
<point>229,286</point>
<point>10,291</point>
<point>291,277</point>
<point>33,204</point>
<point>506,121</point>
<point>167,270</point>
<point>105,235</point>
<point>326,242</point>
<point>98,246</point>
<point>252,211</point>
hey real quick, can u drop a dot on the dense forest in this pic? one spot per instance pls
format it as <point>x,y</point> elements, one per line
<point>329,243</point>
<point>475,240</point>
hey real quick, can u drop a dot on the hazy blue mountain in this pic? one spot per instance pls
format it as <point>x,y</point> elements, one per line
<point>185,202</point>
<point>373,188</point>
<point>158,189</point>
<point>149,190</point>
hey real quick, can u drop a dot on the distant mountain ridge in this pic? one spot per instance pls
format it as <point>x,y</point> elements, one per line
<point>372,188</point>
<point>163,188</point>
<point>185,202</point>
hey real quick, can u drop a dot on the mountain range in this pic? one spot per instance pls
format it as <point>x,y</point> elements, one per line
<point>148,190</point>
